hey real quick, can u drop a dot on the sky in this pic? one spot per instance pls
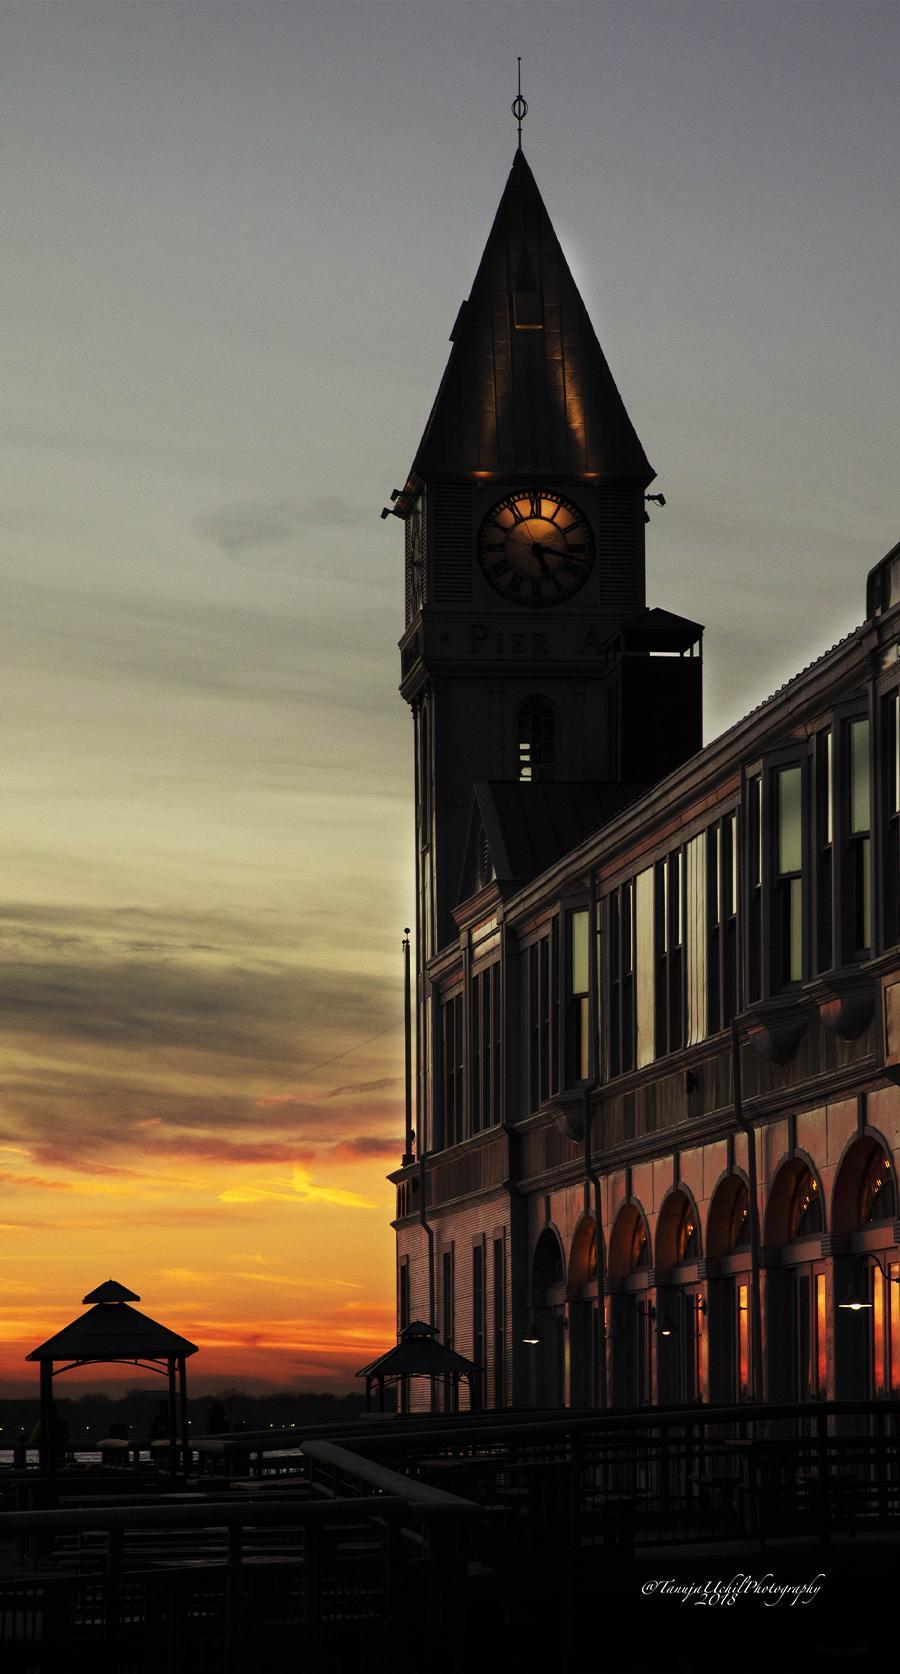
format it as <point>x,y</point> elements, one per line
<point>236,239</point>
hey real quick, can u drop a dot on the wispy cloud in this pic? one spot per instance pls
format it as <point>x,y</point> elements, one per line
<point>368,1145</point>
<point>303,1190</point>
<point>254,529</point>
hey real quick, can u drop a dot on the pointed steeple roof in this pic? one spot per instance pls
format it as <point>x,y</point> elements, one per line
<point>527,388</point>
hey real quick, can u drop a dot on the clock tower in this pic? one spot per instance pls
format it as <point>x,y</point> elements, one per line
<point>529,656</point>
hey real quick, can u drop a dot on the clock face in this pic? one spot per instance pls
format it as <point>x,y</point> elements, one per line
<point>536,548</point>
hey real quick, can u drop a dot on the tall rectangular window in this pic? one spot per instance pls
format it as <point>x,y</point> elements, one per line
<point>787,938</point>
<point>824,851</point>
<point>578,1030</point>
<point>894,1304</point>
<point>695,938</point>
<point>668,885</point>
<point>754,902</point>
<point>722,870</point>
<point>499,1287</point>
<point>621,979</point>
<point>479,1345</point>
<point>645,985</point>
<point>742,1337</point>
<point>452,1069</point>
<point>486,1048</point>
<point>543,1017</point>
<point>858,878</point>
<point>891,791</point>
<point>821,1337</point>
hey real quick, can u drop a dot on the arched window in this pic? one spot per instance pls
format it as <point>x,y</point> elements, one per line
<point>878,1198</point>
<point>537,739</point>
<point>739,1223</point>
<point>806,1207</point>
<point>640,1255</point>
<point>686,1243</point>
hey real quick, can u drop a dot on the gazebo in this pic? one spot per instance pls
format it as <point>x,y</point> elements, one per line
<point>418,1354</point>
<point>115,1333</point>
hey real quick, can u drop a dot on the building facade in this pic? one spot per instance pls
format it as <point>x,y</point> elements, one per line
<point>657,989</point>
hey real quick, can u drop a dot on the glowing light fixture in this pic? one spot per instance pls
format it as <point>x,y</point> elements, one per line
<point>857,1296</point>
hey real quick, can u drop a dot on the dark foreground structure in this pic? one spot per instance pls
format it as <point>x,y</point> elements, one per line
<point>530,1540</point>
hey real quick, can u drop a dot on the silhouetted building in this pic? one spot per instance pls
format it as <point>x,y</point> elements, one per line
<point>655,981</point>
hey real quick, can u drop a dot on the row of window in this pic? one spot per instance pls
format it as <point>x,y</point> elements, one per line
<point>670,975</point>
<point>665,1332</point>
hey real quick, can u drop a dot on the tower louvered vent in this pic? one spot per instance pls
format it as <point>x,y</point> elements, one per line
<point>453,547</point>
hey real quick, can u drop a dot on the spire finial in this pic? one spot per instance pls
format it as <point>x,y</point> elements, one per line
<point>519,106</point>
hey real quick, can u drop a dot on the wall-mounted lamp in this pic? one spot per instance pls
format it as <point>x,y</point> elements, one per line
<point>857,1296</point>
<point>668,1326</point>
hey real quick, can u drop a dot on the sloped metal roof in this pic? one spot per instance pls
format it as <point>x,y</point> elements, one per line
<point>534,398</point>
<point>113,1331</point>
<point>418,1354</point>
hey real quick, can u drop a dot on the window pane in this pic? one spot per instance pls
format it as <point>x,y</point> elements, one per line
<point>743,1337</point>
<point>894,1296</point>
<point>579,945</point>
<point>821,1335</point>
<point>859,776</point>
<point>795,953</point>
<point>695,874</point>
<point>829,792</point>
<point>790,841</point>
<point>645,951</point>
<point>878,1329</point>
<point>895,799</point>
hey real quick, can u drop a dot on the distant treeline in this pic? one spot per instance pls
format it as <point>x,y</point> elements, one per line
<point>92,1416</point>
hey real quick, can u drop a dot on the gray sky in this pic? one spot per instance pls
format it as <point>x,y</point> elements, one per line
<point>236,238</point>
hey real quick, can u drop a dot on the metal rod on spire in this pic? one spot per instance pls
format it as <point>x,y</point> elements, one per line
<point>519,106</point>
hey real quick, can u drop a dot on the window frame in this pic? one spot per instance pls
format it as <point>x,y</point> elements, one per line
<point>723,915</point>
<point>541,955</point>
<point>621,1021</point>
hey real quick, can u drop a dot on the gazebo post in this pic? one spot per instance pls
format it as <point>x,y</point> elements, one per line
<point>46,1442</point>
<point>381,1394</point>
<point>368,1394</point>
<point>173,1438</point>
<point>182,1401</point>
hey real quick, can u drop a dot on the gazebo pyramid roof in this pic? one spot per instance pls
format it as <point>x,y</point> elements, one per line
<point>418,1354</point>
<point>112,1330</point>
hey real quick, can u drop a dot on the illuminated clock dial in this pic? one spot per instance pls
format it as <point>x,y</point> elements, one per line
<point>536,548</point>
